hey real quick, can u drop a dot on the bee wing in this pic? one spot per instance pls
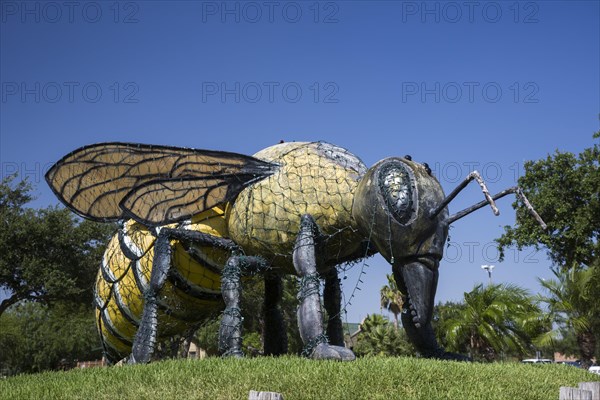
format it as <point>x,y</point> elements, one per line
<point>154,185</point>
<point>164,201</point>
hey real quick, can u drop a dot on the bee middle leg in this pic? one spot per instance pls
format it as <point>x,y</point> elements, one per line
<point>230,331</point>
<point>310,317</point>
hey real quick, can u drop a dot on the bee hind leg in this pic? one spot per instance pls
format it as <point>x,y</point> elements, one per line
<point>310,317</point>
<point>145,338</point>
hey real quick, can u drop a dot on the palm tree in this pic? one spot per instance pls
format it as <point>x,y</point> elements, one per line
<point>572,305</point>
<point>496,318</point>
<point>377,337</point>
<point>391,299</point>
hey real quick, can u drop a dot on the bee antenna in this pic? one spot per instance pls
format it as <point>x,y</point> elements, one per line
<point>516,190</point>
<point>472,176</point>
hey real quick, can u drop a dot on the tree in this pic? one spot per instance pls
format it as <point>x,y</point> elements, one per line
<point>564,189</point>
<point>442,315</point>
<point>496,318</point>
<point>391,298</point>
<point>378,337</point>
<point>48,255</point>
<point>34,337</point>
<point>12,344</point>
<point>571,308</point>
<point>207,336</point>
<point>564,342</point>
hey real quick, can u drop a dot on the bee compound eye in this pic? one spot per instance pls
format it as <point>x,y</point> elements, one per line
<point>397,187</point>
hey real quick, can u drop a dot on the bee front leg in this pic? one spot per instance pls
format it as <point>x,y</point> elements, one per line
<point>310,316</point>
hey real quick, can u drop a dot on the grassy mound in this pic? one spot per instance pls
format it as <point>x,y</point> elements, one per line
<point>297,378</point>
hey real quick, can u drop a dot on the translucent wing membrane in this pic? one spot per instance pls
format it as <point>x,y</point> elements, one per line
<point>165,201</point>
<point>154,185</point>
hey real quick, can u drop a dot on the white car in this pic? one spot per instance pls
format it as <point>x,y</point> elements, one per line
<point>537,361</point>
<point>595,369</point>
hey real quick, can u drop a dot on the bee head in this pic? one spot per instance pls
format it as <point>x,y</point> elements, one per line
<point>392,204</point>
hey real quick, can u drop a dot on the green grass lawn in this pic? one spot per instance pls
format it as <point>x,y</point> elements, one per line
<point>298,378</point>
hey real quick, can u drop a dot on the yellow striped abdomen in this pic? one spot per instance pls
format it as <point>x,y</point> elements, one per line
<point>191,293</point>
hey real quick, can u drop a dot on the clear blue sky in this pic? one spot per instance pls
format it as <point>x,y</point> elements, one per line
<point>459,85</point>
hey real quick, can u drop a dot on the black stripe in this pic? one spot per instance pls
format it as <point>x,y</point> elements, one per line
<point>105,275</point>
<point>112,331</point>
<point>183,284</point>
<point>97,298</point>
<point>136,276</point>
<point>125,249</point>
<point>123,309</point>
<point>112,354</point>
<point>196,256</point>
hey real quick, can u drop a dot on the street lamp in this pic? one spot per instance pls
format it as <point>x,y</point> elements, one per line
<point>489,269</point>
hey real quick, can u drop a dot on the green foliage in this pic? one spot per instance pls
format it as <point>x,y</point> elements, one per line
<point>48,255</point>
<point>573,308</point>
<point>290,315</point>
<point>378,337</point>
<point>12,344</point>
<point>252,344</point>
<point>565,342</point>
<point>207,336</point>
<point>495,319</point>
<point>391,298</point>
<point>296,378</point>
<point>47,271</point>
<point>35,338</point>
<point>564,189</point>
<point>443,314</point>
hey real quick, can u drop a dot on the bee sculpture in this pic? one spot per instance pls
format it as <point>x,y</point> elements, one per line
<point>194,222</point>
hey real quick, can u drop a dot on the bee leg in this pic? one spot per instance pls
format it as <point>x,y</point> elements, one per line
<point>332,298</point>
<point>275,337</point>
<point>145,338</point>
<point>310,317</point>
<point>230,332</point>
